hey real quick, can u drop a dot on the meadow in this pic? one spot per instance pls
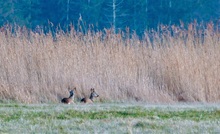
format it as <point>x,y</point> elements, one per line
<point>109,118</point>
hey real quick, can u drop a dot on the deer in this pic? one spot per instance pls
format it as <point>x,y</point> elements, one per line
<point>70,99</point>
<point>90,99</point>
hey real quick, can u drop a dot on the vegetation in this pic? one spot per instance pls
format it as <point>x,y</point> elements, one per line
<point>112,118</point>
<point>99,14</point>
<point>165,66</point>
<point>47,47</point>
<point>130,112</point>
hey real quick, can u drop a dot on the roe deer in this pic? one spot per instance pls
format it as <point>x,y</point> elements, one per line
<point>70,99</point>
<point>90,99</point>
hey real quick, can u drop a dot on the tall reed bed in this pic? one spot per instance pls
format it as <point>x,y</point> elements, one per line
<point>168,65</point>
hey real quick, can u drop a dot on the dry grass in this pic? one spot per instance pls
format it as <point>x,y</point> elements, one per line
<point>183,67</point>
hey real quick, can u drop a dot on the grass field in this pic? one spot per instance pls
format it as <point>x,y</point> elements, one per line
<point>109,118</point>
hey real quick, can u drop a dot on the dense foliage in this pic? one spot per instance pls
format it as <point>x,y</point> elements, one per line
<point>98,14</point>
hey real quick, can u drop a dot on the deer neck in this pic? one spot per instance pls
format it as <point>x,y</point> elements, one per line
<point>91,97</point>
<point>71,96</point>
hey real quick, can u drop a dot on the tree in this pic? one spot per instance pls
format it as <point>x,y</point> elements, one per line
<point>113,15</point>
<point>7,11</point>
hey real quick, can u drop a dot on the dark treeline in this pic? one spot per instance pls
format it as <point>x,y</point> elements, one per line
<point>137,15</point>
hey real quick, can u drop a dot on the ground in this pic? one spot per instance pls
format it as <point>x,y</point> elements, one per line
<point>109,118</point>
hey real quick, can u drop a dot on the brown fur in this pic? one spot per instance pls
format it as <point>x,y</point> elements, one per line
<point>87,100</point>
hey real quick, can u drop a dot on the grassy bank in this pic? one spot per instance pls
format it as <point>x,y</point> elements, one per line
<point>164,66</point>
<point>110,118</point>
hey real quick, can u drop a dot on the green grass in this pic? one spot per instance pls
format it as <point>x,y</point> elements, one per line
<point>131,112</point>
<point>112,118</point>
